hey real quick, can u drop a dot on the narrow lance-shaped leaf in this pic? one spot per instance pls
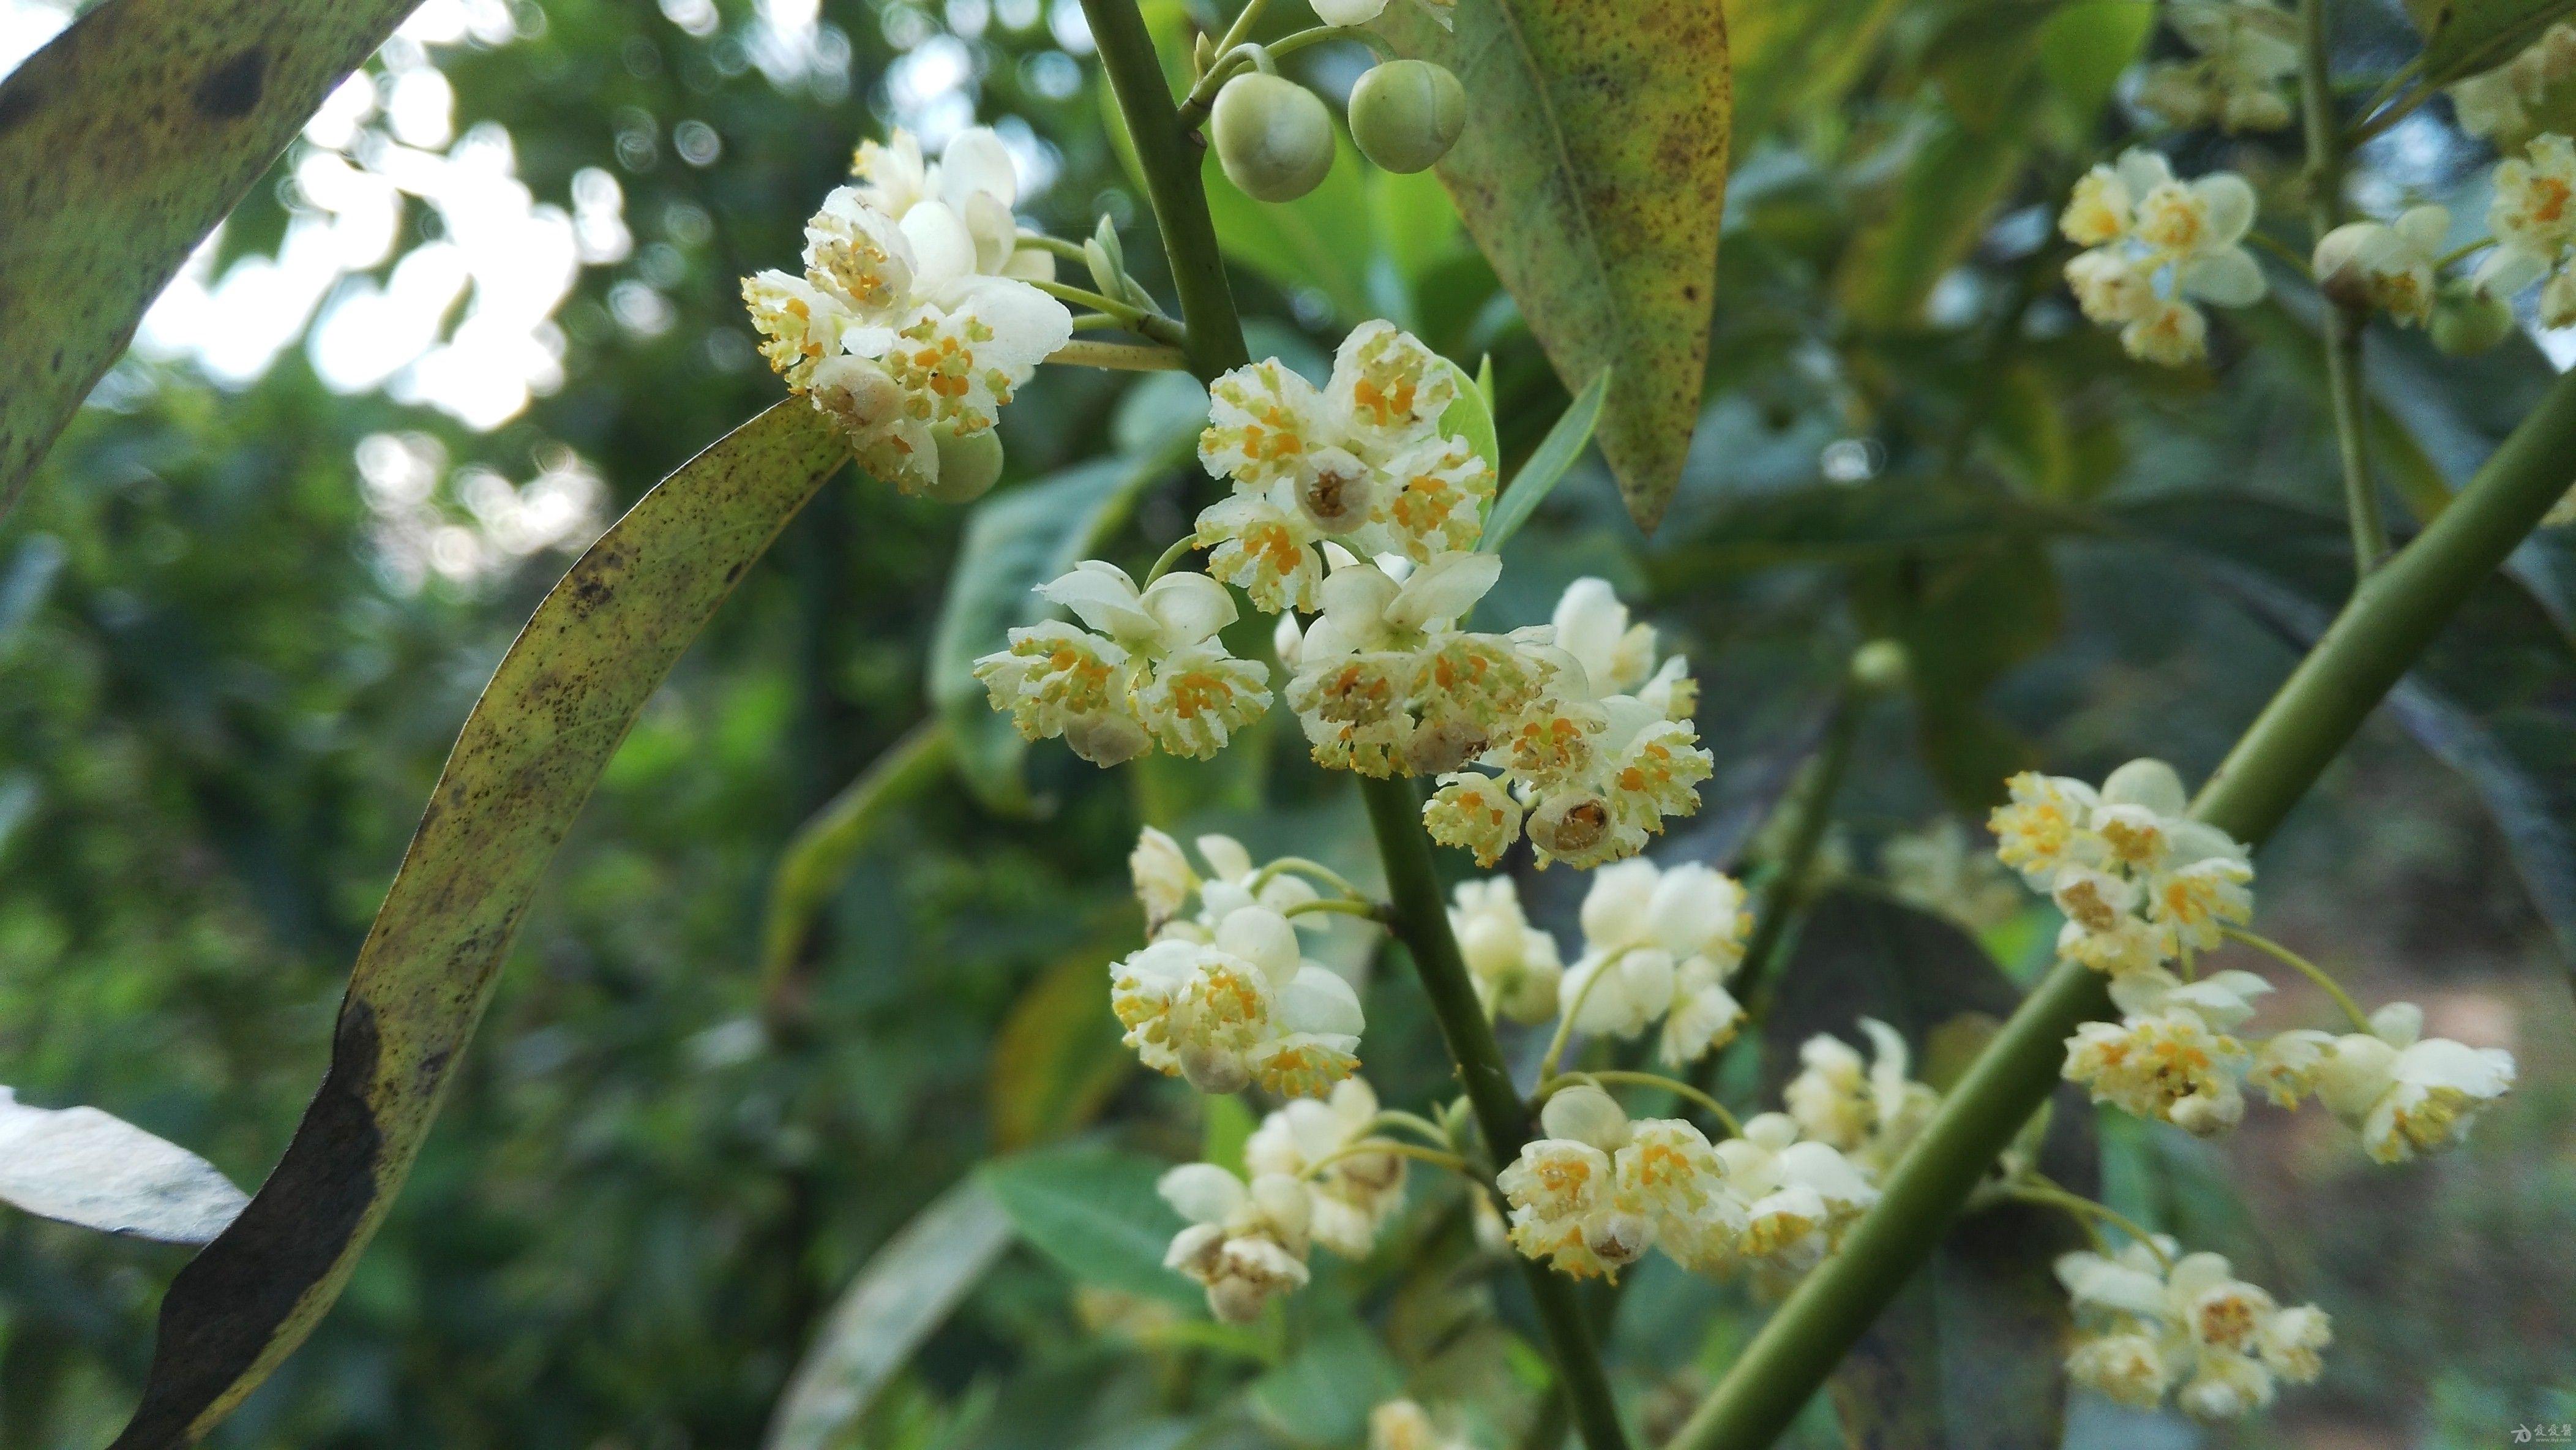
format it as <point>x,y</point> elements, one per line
<point>1592,173</point>
<point>529,754</point>
<point>904,1293</point>
<point>122,143</point>
<point>1546,466</point>
<point>85,1167</point>
<point>2464,37</point>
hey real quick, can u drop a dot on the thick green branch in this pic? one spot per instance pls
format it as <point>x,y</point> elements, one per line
<point>2342,320</point>
<point>1422,924</point>
<point>2392,617</point>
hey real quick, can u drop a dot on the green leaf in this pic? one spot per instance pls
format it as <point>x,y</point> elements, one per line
<point>1938,210</point>
<point>1321,241</point>
<point>1015,542</point>
<point>1793,54</point>
<point>1546,466</point>
<point>122,143</point>
<point>1094,1211</point>
<point>1968,1355</point>
<point>1593,174</point>
<point>821,851</point>
<point>906,1291</point>
<point>1472,413</point>
<point>2464,37</point>
<point>1228,1128</point>
<point>1415,221</point>
<point>2084,46</point>
<point>1323,1394</point>
<point>1964,621</point>
<point>1059,1056</point>
<point>561,700</point>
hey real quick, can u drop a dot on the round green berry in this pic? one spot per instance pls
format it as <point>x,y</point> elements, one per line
<point>1406,114</point>
<point>1272,136</point>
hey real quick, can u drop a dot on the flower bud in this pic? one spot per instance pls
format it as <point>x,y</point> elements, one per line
<point>968,464</point>
<point>1879,667</point>
<point>1272,136</point>
<point>2469,319</point>
<point>1406,114</point>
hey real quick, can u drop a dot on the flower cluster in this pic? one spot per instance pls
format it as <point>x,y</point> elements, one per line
<point>1599,1190</point>
<point>2405,1093</point>
<point>1150,671</point>
<point>1312,1181</point>
<point>2156,246</point>
<point>1869,1109</point>
<point>2498,103</point>
<point>2247,49</point>
<point>1659,945</point>
<point>1514,965</point>
<point>911,324</point>
<point>2143,885</point>
<point>2151,1323</point>
<point>2533,216</point>
<point>2391,266</point>
<point>1364,461</point>
<point>1242,1006</point>
<point>1592,766</point>
<point>1939,870</point>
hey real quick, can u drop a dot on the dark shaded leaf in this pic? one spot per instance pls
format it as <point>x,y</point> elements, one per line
<point>1094,1212</point>
<point>561,700</point>
<point>1546,466</point>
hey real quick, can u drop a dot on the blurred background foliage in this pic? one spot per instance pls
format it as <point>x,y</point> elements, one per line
<point>490,298</point>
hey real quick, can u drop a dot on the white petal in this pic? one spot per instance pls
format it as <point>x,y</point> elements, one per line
<point>1348,12</point>
<point>1318,1000</point>
<point>943,249</point>
<point>1190,607</point>
<point>2227,277</point>
<point>2148,783</point>
<point>1225,856</point>
<point>1105,598</point>
<point>975,160</point>
<point>1202,1192</point>
<point>1443,589</point>
<point>2231,205</point>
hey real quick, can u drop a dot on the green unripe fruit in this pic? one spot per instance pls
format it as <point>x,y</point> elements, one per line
<point>1406,114</point>
<point>1274,139</point>
<point>2467,319</point>
<point>968,464</point>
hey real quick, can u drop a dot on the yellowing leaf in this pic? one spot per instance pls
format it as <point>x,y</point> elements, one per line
<point>1593,175</point>
<point>556,709</point>
<point>2464,37</point>
<point>122,143</point>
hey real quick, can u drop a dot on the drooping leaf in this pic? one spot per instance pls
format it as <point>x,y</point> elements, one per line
<point>906,1291</point>
<point>1964,620</point>
<point>1323,1393</point>
<point>1593,174</point>
<point>1937,209</point>
<point>1968,1355</point>
<point>1094,1212</point>
<point>82,1166</point>
<point>1059,1054</point>
<point>1546,466</point>
<point>1854,523</point>
<point>122,143</point>
<point>1015,542</point>
<point>2083,48</point>
<point>2464,37</point>
<point>561,700</point>
<point>1790,54</point>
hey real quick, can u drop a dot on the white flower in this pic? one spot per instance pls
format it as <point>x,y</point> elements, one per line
<point>1162,875</point>
<point>1801,1194</point>
<point>2286,1064</point>
<point>1592,625</point>
<point>2138,879</point>
<point>1659,944</point>
<point>2388,265</point>
<point>2533,216</point>
<point>1402,1424</point>
<point>974,179</point>
<point>2408,1094</point>
<point>1240,1009</point>
<point>1667,1173</point>
<point>2146,1327</point>
<point>2247,48</point>
<point>1514,965</point>
<point>2156,245</point>
<point>1165,883</point>
<point>2042,829</point>
<point>1867,1109</point>
<point>1362,460</point>
<point>2170,1056</point>
<point>2498,103</point>
<point>1475,813</point>
<point>1937,870</point>
<point>902,325</point>
<point>1349,1200</point>
<point>1154,673</point>
<point>1361,12</point>
<point>1244,1243</point>
<point>1564,1194</point>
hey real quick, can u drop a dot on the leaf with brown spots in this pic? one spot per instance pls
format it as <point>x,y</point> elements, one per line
<point>1593,174</point>
<point>530,752</point>
<point>122,144</point>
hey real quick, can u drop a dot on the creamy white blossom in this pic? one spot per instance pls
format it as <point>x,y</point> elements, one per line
<point>1155,672</point>
<point>1866,1108</point>
<point>1598,1190</point>
<point>2405,1093</point>
<point>1350,1195</point>
<point>1800,1195</point>
<point>2392,266</point>
<point>1514,965</point>
<point>2498,104</point>
<point>2139,881</point>
<point>1938,869</point>
<point>2149,1322</point>
<point>1166,884</point>
<point>1362,461</point>
<point>904,326</point>
<point>2533,216</point>
<point>1246,1243</point>
<point>2247,49</point>
<point>2170,1056</point>
<point>1659,945</point>
<point>2156,246</point>
<point>1242,1008</point>
<point>1404,1425</point>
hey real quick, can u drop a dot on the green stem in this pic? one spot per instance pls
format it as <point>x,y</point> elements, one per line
<point>1303,867</point>
<point>1784,893</point>
<point>1548,1060</point>
<point>1170,160</point>
<point>2082,1209</point>
<point>1422,924</point>
<point>2306,968</point>
<point>1179,550</point>
<point>1194,107</point>
<point>1367,910</point>
<point>2342,321</point>
<point>2391,618</point>
<point>1388,1147</point>
<point>1131,357</point>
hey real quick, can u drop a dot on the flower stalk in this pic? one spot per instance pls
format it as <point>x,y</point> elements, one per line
<point>2340,322</point>
<point>1213,341</point>
<point>2393,615</point>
